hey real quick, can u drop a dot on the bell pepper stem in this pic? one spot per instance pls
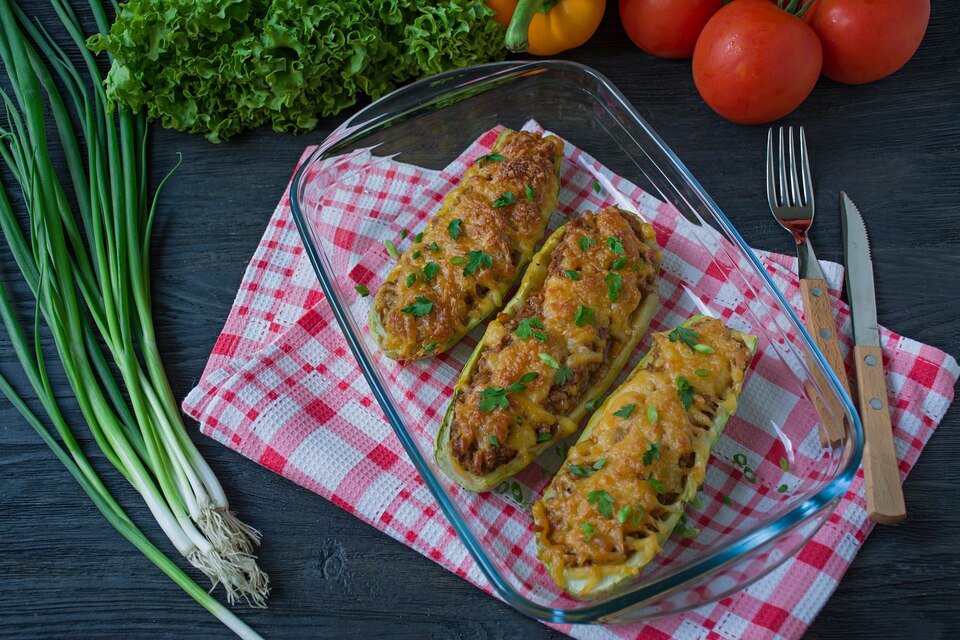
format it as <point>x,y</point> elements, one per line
<point>516,39</point>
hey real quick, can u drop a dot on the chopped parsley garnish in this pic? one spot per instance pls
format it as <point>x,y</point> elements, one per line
<point>544,437</point>
<point>619,263</point>
<point>652,453</point>
<point>573,275</point>
<point>433,246</point>
<point>615,245</point>
<point>588,531</point>
<point>494,441</point>
<point>430,269</point>
<point>431,346</point>
<point>652,414</point>
<point>704,348</point>
<point>416,254</point>
<point>593,404</point>
<point>685,392</point>
<point>521,385</point>
<point>655,484</point>
<point>454,227</point>
<point>504,200</point>
<point>685,335</point>
<point>362,290</point>
<point>421,307</point>
<point>564,374</point>
<point>579,470</point>
<point>529,377</point>
<point>614,286</point>
<point>584,315</point>
<point>702,373</point>
<point>549,360</point>
<point>487,159</point>
<point>784,465</point>
<point>599,464</point>
<point>782,488</point>
<point>623,514</point>
<point>477,260</point>
<point>418,237</point>
<point>530,193</point>
<point>585,242</point>
<point>726,500</point>
<point>457,260</point>
<point>603,500</point>
<point>625,410</point>
<point>531,327</point>
<point>493,397</point>
<point>391,249</point>
<point>404,234</point>
<point>596,187</point>
<point>412,278</point>
<point>517,387</point>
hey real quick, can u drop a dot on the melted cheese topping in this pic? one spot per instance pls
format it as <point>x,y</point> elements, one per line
<point>651,462</point>
<point>507,235</point>
<point>566,333</point>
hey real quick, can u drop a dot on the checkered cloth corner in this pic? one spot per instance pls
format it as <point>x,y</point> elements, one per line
<point>281,388</point>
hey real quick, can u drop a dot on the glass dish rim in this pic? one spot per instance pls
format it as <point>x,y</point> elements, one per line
<point>367,121</point>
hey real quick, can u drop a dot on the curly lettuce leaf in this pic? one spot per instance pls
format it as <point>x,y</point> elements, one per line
<point>222,66</point>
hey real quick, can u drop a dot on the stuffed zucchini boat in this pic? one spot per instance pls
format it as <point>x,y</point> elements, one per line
<point>473,249</point>
<point>641,459</point>
<point>582,307</point>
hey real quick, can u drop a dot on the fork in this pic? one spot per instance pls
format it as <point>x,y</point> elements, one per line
<point>792,204</point>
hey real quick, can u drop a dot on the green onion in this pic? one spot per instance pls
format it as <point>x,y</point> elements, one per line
<point>87,265</point>
<point>391,249</point>
<point>362,290</point>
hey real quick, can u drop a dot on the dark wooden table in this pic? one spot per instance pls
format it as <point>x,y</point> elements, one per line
<point>893,145</point>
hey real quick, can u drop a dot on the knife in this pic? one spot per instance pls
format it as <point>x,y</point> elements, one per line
<point>880,468</point>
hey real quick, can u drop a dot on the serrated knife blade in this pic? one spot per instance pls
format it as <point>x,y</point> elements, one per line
<point>880,467</point>
<point>859,274</point>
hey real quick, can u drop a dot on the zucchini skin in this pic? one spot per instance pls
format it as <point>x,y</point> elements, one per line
<point>584,584</point>
<point>531,284</point>
<point>449,327</point>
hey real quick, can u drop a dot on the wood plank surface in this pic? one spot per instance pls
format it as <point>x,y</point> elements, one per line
<point>894,146</point>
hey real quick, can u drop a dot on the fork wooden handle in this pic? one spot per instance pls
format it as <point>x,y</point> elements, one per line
<point>880,467</point>
<point>819,320</point>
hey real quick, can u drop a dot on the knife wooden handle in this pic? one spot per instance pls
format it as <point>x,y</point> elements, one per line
<point>819,320</point>
<point>880,468</point>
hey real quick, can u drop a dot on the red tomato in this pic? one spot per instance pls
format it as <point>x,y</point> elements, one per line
<point>666,28</point>
<point>754,62</point>
<point>865,40</point>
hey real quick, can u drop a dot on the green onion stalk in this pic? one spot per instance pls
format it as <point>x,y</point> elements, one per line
<point>84,252</point>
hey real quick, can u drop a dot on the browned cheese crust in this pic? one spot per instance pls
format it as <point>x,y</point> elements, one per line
<point>582,322</point>
<point>526,167</point>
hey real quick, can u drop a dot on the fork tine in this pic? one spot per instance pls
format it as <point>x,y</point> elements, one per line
<point>794,185</point>
<point>805,171</point>
<point>771,172</point>
<point>784,194</point>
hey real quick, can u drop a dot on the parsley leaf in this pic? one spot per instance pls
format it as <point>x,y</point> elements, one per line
<point>391,249</point>
<point>544,437</point>
<point>411,279</point>
<point>596,187</point>
<point>599,464</point>
<point>563,375</point>
<point>652,453</point>
<point>528,327</point>
<point>580,470</point>
<point>517,387</point>
<point>603,500</point>
<point>549,360</point>
<point>416,254</point>
<point>614,286</point>
<point>615,245</point>
<point>625,410</point>
<point>685,392</point>
<point>584,315</point>
<point>454,227</point>
<point>362,290</point>
<point>585,242</point>
<point>493,397</point>
<point>404,234</point>
<point>504,200</point>
<point>433,246</point>
<point>588,531</point>
<point>418,237</point>
<point>530,193</point>
<point>494,441</point>
<point>421,307</point>
<point>619,263</point>
<point>430,269</point>
<point>685,335</point>
<point>477,260</point>
<point>487,159</point>
<point>529,377</point>
<point>573,275</point>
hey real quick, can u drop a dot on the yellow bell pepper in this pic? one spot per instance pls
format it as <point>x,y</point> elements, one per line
<point>547,27</point>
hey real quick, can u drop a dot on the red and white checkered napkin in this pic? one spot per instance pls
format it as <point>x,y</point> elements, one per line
<point>282,389</point>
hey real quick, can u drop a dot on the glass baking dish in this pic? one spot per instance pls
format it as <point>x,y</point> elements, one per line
<point>774,477</point>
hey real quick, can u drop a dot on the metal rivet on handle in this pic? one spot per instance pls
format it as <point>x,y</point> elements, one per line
<point>870,361</point>
<point>817,292</point>
<point>876,403</point>
<point>825,334</point>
